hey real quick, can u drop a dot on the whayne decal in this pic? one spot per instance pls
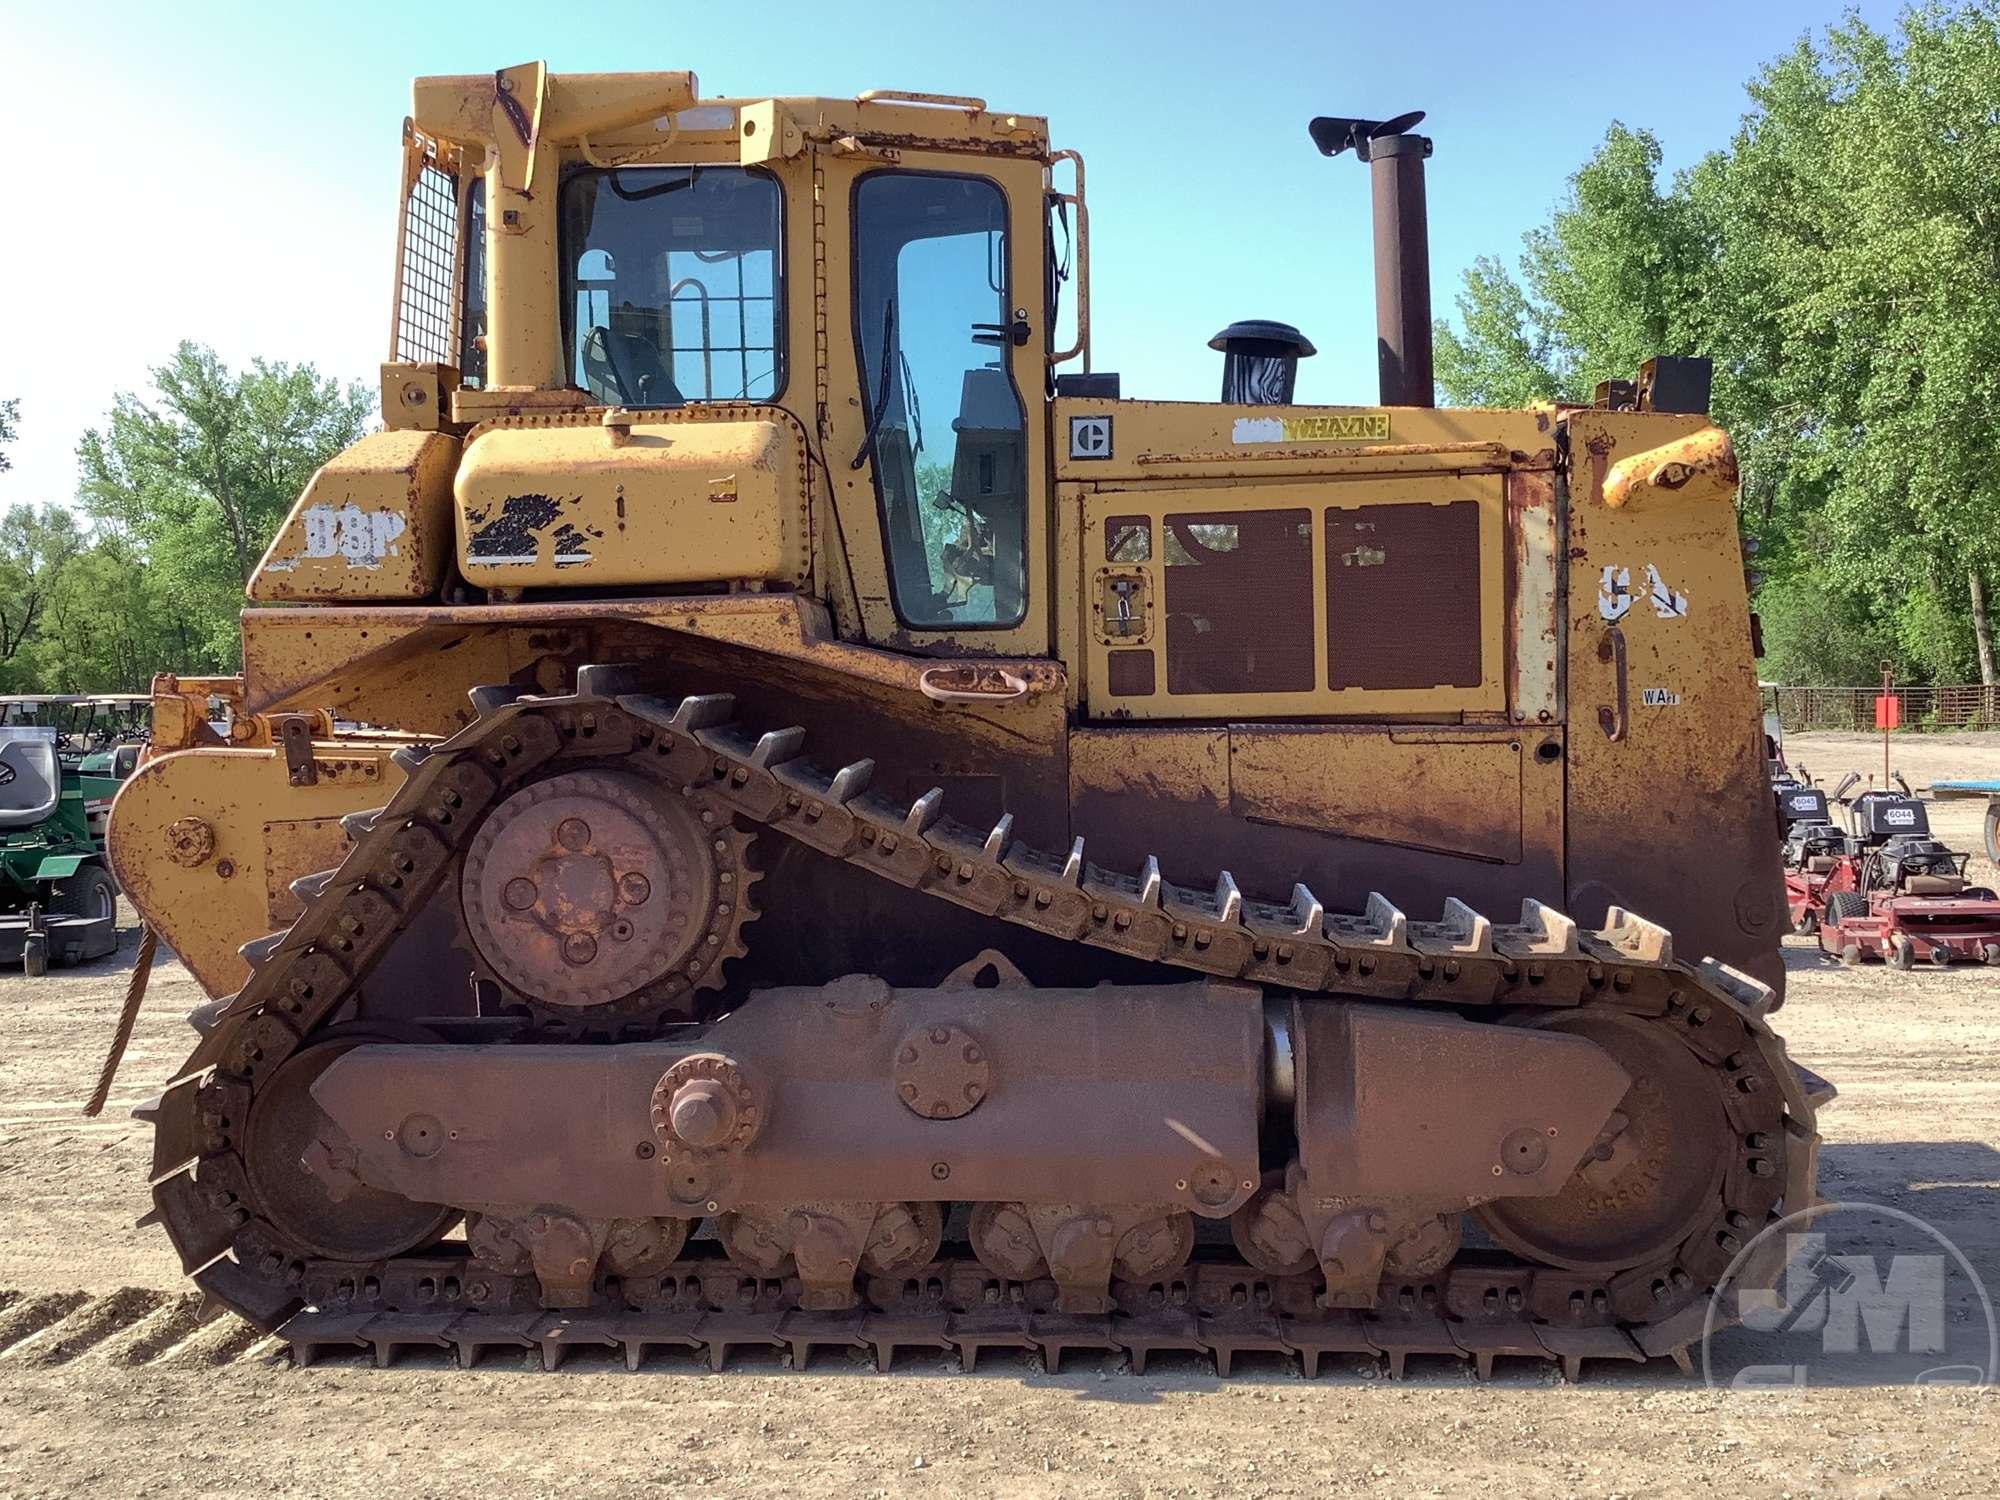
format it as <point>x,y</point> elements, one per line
<point>1348,427</point>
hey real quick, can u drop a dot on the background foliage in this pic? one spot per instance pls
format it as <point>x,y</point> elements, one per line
<point>1840,262</point>
<point>185,487</point>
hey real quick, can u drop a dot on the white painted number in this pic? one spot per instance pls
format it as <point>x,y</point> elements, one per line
<point>1614,592</point>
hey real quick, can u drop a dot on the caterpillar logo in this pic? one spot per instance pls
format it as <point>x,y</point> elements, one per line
<point>1345,427</point>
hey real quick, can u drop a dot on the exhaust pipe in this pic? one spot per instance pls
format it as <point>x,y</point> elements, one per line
<point>1402,247</point>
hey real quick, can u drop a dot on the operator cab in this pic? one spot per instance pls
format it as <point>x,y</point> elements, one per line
<point>672,284</point>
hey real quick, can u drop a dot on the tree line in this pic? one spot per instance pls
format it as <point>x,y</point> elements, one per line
<point>1840,263</point>
<point>178,493</point>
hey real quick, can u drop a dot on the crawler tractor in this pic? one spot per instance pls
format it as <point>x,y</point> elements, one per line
<point>773,806</point>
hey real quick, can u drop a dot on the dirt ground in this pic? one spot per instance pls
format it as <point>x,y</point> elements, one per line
<point>108,1387</point>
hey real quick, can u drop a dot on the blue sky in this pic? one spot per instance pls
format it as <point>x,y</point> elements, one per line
<point>227,172</point>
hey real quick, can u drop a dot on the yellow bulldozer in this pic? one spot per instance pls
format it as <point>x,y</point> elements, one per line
<point>772,806</point>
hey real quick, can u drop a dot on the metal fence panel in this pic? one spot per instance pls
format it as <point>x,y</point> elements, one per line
<point>1851,709</point>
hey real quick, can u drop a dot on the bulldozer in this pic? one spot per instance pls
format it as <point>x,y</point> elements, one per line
<point>771,806</point>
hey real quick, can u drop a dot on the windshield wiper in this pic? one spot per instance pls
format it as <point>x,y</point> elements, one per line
<point>867,448</point>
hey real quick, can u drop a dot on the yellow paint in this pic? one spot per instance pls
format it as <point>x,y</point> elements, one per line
<point>373,523</point>
<point>205,912</point>
<point>659,499</point>
<point>710,540</point>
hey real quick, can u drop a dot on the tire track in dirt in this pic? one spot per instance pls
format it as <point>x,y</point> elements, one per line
<point>129,1326</point>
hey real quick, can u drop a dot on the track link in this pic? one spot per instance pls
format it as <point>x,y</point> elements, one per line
<point>401,853</point>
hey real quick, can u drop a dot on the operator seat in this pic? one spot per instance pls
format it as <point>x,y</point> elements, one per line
<point>626,369</point>
<point>30,776</point>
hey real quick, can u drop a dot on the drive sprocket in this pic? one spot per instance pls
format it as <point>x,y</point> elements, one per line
<point>601,897</point>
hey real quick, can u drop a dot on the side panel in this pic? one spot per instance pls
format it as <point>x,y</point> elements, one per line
<point>1450,790</point>
<point>1669,804</point>
<point>1358,597</point>
<point>1416,813</point>
<point>374,523</point>
<point>665,498</point>
<point>207,842</point>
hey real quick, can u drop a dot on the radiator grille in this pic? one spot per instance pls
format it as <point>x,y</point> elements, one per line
<point>1239,602</point>
<point>1402,596</point>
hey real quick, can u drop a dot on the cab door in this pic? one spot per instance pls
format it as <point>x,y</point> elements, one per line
<point>936,361</point>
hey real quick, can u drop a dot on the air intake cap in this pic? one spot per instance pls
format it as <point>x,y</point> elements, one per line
<point>1260,361</point>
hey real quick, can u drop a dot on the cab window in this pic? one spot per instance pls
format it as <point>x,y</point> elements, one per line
<point>673,285</point>
<point>944,422</point>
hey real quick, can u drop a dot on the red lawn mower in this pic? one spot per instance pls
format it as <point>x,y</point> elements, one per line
<point>1888,889</point>
<point>1817,862</point>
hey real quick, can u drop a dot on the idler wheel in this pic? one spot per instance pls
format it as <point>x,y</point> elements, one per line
<point>1003,1238</point>
<point>1654,1174</point>
<point>1155,1248</point>
<point>906,1238</point>
<point>586,888</point>
<point>300,1169</point>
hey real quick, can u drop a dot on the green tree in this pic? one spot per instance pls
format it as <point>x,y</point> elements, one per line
<point>1841,263</point>
<point>201,475</point>
<point>106,627</point>
<point>10,416</point>
<point>1613,277</point>
<point>35,547</point>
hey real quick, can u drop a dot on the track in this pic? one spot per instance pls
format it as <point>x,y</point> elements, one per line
<point>1484,1306</point>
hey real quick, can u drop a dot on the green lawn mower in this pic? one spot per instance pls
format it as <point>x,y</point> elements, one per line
<point>62,759</point>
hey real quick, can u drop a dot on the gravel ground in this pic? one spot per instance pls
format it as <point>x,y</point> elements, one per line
<point>107,1385</point>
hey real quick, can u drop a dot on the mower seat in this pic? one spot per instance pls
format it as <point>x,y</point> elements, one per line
<point>1934,885</point>
<point>30,776</point>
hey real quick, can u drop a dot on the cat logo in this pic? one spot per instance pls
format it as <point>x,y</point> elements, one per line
<point>1090,437</point>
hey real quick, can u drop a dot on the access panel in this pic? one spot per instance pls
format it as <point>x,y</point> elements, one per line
<point>1363,598</point>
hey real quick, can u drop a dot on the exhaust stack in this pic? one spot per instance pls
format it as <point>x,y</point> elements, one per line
<point>1402,247</point>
